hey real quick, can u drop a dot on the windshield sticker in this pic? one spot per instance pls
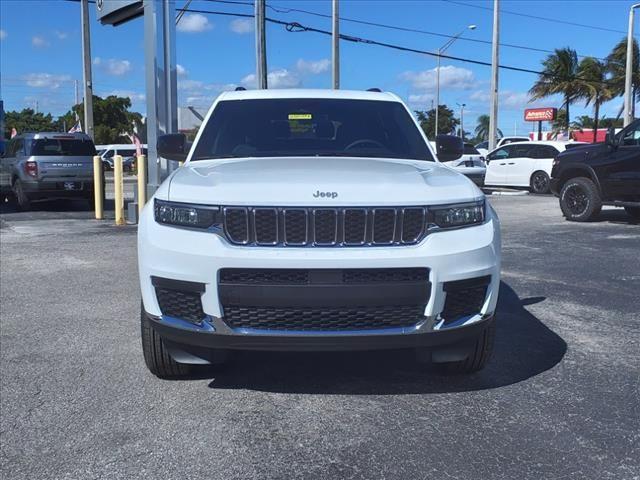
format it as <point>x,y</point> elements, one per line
<point>300,116</point>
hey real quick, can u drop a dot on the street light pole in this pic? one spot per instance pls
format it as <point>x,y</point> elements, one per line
<point>86,60</point>
<point>335,38</point>
<point>493,112</point>
<point>441,50</point>
<point>628,91</point>
<point>461,105</point>
<point>261,45</point>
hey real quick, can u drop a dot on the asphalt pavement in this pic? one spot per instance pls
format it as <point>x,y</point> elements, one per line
<point>560,398</point>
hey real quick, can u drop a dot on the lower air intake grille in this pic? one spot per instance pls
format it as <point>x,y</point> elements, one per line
<point>179,304</point>
<point>323,319</point>
<point>464,297</point>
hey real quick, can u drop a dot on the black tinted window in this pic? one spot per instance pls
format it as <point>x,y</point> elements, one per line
<point>311,127</point>
<point>470,149</point>
<point>544,151</point>
<point>65,147</point>
<point>519,151</point>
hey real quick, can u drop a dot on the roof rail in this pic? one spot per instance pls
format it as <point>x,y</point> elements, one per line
<point>240,89</point>
<point>374,89</point>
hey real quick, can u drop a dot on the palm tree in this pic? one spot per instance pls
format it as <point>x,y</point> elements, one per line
<point>482,129</point>
<point>594,86</point>
<point>616,64</point>
<point>558,77</point>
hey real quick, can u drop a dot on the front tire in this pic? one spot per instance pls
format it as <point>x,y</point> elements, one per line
<point>22,199</point>
<point>540,183</point>
<point>156,356</point>
<point>580,200</point>
<point>633,212</point>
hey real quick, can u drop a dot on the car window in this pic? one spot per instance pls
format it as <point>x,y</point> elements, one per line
<point>311,127</point>
<point>544,151</point>
<point>470,149</point>
<point>18,147</point>
<point>500,154</point>
<point>484,145</point>
<point>632,137</point>
<point>521,151</point>
<point>62,147</point>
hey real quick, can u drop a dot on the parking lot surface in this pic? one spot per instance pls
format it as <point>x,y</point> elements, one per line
<point>558,400</point>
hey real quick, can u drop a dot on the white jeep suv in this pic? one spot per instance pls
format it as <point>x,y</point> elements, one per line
<point>315,220</point>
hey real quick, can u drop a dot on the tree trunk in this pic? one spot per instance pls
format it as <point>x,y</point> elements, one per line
<point>566,99</point>
<point>595,120</point>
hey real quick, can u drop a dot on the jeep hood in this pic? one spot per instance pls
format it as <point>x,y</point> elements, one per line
<point>301,181</point>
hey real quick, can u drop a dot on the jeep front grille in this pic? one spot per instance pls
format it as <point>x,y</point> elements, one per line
<point>324,227</point>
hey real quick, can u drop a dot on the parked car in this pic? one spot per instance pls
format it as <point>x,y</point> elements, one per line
<point>587,177</point>
<point>483,147</point>
<point>315,220</point>
<point>524,164</point>
<point>127,151</point>
<point>471,164</point>
<point>48,165</point>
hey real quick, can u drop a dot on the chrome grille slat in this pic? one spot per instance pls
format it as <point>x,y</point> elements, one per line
<point>324,227</point>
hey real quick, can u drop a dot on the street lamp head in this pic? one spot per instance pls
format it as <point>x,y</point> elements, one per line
<point>472,27</point>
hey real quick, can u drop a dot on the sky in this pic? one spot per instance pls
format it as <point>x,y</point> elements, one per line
<point>41,57</point>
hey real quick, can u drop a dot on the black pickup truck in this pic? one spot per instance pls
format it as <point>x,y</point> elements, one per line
<point>587,177</point>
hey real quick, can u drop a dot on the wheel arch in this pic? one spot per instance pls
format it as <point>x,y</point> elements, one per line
<point>578,170</point>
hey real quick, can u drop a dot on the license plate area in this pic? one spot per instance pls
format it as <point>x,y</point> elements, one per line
<point>72,186</point>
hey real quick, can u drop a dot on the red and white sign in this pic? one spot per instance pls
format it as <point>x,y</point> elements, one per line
<point>540,114</point>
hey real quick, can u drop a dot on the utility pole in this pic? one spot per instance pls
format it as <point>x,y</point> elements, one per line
<point>335,52</point>
<point>86,57</point>
<point>76,98</point>
<point>628,93</point>
<point>261,44</point>
<point>493,112</point>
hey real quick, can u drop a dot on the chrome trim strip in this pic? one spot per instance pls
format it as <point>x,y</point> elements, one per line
<point>329,333</point>
<point>204,326</point>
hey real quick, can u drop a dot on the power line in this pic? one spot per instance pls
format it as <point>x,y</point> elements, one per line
<point>297,27</point>
<point>546,19</point>
<point>391,27</point>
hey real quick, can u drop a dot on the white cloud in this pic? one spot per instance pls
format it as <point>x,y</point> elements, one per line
<point>113,66</point>
<point>3,34</point>
<point>46,80</point>
<point>507,99</point>
<point>194,23</point>
<point>421,100</point>
<point>61,35</point>
<point>451,77</point>
<point>39,41</point>
<point>241,26</point>
<point>281,78</point>
<point>182,72</point>
<point>315,68</point>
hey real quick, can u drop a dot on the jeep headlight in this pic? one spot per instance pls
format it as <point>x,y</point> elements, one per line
<point>185,215</point>
<point>452,216</point>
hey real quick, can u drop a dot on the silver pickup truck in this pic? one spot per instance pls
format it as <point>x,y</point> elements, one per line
<point>47,165</point>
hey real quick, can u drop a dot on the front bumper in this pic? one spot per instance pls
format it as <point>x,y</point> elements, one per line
<point>198,257</point>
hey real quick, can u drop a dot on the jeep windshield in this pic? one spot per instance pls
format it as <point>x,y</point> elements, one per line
<point>308,127</point>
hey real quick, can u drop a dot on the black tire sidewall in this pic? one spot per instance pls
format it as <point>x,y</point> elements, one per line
<point>548,182</point>
<point>22,200</point>
<point>593,198</point>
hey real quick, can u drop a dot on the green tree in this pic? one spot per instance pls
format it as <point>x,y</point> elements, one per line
<point>112,120</point>
<point>482,128</point>
<point>617,63</point>
<point>447,122</point>
<point>559,76</point>
<point>28,121</point>
<point>594,86</point>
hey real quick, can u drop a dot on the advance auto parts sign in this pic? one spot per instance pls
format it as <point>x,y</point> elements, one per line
<point>540,114</point>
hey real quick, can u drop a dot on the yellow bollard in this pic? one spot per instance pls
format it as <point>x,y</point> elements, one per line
<point>118,189</point>
<point>98,186</point>
<point>142,182</point>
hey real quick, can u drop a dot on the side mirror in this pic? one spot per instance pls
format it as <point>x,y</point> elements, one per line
<point>173,146</point>
<point>449,147</point>
<point>610,138</point>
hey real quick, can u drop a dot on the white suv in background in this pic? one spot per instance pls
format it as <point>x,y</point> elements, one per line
<point>315,220</point>
<point>524,164</point>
